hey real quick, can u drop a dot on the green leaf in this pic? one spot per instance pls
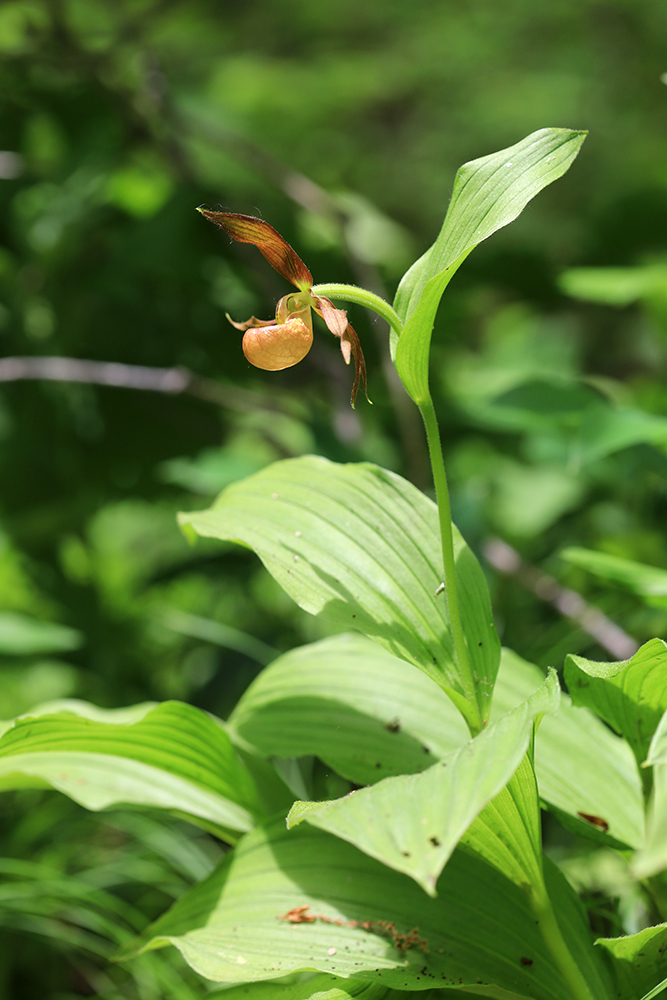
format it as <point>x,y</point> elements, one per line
<point>639,961</point>
<point>630,695</point>
<point>21,635</point>
<point>361,710</point>
<point>336,698</point>
<point>488,194</point>
<point>479,932</point>
<point>73,706</point>
<point>608,787</point>
<point>361,547</point>
<point>176,757</point>
<point>649,582</point>
<point>412,823</point>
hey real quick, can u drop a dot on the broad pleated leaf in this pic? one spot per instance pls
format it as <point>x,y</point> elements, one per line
<point>608,787</point>
<point>343,698</point>
<point>361,710</point>
<point>413,822</point>
<point>630,695</point>
<point>176,757</point>
<point>360,546</point>
<point>368,922</point>
<point>639,961</point>
<point>488,194</point>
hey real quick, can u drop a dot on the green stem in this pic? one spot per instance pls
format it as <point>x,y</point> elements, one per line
<point>361,297</point>
<point>555,942</point>
<point>471,712</point>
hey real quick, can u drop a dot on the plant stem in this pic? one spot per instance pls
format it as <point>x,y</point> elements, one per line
<point>361,297</point>
<point>555,942</point>
<point>472,715</point>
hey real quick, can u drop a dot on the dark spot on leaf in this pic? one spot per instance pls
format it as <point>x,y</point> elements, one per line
<point>406,854</point>
<point>378,764</point>
<point>479,643</point>
<point>434,841</point>
<point>393,727</point>
<point>526,961</point>
<point>595,821</point>
<point>425,749</point>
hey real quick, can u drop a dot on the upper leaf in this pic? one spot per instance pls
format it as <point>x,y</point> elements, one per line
<point>488,194</point>
<point>176,757</point>
<point>361,547</point>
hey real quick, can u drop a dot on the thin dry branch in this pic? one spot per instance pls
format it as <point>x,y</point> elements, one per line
<point>172,381</point>
<point>610,636</point>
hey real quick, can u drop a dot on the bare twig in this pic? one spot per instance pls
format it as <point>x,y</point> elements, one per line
<point>172,381</point>
<point>610,636</point>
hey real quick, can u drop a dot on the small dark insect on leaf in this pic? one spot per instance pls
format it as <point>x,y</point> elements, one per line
<point>434,841</point>
<point>526,961</point>
<point>393,727</point>
<point>595,821</point>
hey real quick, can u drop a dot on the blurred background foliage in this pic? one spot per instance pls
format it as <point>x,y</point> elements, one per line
<point>341,124</point>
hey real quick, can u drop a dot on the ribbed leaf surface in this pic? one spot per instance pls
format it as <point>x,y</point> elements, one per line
<point>360,546</point>
<point>413,822</point>
<point>176,757</point>
<point>368,922</point>
<point>364,712</point>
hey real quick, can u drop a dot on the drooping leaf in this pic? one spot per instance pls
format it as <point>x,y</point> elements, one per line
<point>176,757</point>
<point>630,695</point>
<point>488,194</point>
<point>364,712</point>
<point>413,822</point>
<point>360,546</point>
<point>285,901</point>
<point>639,961</point>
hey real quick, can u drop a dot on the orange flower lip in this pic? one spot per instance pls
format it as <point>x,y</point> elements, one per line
<point>276,347</point>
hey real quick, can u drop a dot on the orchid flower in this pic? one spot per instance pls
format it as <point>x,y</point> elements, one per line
<point>282,342</point>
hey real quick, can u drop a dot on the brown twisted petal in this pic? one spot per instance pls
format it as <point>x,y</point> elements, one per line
<point>276,347</point>
<point>280,255</point>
